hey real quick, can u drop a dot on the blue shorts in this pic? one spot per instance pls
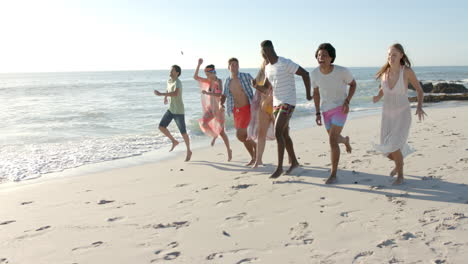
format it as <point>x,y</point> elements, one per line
<point>179,119</point>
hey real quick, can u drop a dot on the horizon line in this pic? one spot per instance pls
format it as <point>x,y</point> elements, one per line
<point>127,70</point>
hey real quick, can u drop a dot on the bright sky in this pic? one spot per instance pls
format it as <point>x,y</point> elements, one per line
<point>89,35</point>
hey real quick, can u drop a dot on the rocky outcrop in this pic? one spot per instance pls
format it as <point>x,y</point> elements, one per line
<point>442,87</point>
<point>449,88</point>
<point>433,98</point>
<point>427,87</point>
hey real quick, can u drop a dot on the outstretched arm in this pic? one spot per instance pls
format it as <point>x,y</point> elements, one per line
<point>414,81</point>
<point>170,94</point>
<point>306,79</point>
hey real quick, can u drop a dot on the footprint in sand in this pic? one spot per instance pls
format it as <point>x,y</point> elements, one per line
<point>168,256</point>
<point>221,254</point>
<point>4,261</point>
<point>25,203</point>
<point>181,185</point>
<point>237,217</point>
<point>387,243</point>
<point>43,228</point>
<point>402,235</point>
<point>113,219</point>
<point>223,202</point>
<point>300,235</point>
<point>362,254</point>
<point>7,222</point>
<point>242,186</point>
<point>105,202</point>
<point>93,245</point>
<point>246,260</point>
<point>175,225</point>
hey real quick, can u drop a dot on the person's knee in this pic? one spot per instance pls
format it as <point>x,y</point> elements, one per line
<point>333,139</point>
<point>161,128</point>
<point>279,133</point>
<point>241,135</point>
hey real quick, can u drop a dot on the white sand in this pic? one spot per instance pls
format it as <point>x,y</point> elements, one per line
<point>212,211</point>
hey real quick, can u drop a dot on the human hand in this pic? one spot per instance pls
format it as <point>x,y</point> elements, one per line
<point>309,97</point>
<point>420,113</point>
<point>204,92</point>
<point>156,92</point>
<point>375,99</point>
<point>200,61</point>
<point>318,120</point>
<point>254,83</point>
<point>165,100</point>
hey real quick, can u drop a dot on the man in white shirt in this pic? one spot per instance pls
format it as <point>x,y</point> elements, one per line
<point>330,83</point>
<point>279,74</point>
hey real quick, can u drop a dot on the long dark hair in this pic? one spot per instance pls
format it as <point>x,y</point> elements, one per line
<point>404,61</point>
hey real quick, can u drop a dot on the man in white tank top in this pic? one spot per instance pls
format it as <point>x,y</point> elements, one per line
<point>330,83</point>
<point>279,74</point>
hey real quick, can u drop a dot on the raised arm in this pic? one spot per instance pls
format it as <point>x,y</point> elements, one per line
<point>414,81</point>
<point>195,75</point>
<point>306,79</point>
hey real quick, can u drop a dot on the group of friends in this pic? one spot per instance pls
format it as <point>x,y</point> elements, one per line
<point>263,106</point>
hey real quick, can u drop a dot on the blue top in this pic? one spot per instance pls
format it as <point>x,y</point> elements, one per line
<point>246,83</point>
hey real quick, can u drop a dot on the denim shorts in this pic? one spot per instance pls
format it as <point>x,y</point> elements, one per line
<point>179,119</point>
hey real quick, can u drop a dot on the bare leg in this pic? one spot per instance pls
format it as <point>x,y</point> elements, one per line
<point>394,171</point>
<point>187,144</point>
<point>166,132</point>
<point>264,120</point>
<point>398,158</point>
<point>213,141</point>
<point>290,149</point>
<point>249,144</point>
<point>281,125</point>
<point>334,138</point>
<point>226,142</point>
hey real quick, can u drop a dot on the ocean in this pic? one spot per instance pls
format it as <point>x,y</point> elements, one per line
<point>52,122</point>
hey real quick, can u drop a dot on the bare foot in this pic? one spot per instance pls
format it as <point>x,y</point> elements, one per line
<point>393,172</point>
<point>229,154</point>
<point>251,162</point>
<point>213,141</point>
<point>293,167</point>
<point>398,181</point>
<point>189,156</point>
<point>277,173</point>
<point>256,164</point>
<point>174,144</point>
<point>331,179</point>
<point>349,149</point>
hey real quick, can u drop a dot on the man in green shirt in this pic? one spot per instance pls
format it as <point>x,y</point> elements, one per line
<point>175,111</point>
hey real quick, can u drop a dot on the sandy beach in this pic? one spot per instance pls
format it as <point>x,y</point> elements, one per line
<point>212,211</point>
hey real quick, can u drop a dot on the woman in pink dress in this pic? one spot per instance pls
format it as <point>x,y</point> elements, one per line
<point>212,122</point>
<point>396,113</point>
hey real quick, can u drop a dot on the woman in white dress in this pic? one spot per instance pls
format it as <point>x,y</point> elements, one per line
<point>396,114</point>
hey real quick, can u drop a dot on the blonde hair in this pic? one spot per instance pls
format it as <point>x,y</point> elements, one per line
<point>404,61</point>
